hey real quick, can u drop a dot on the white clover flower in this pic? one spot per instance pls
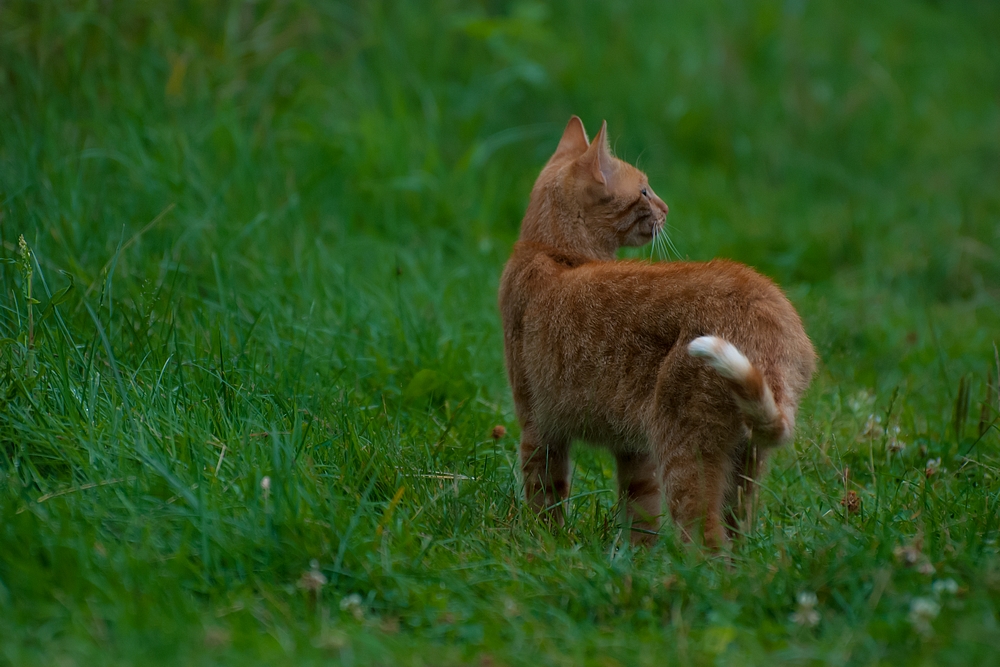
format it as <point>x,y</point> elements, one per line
<point>510,608</point>
<point>312,579</point>
<point>933,466</point>
<point>352,604</point>
<point>896,444</point>
<point>922,612</point>
<point>860,401</point>
<point>806,615</point>
<point>942,586</point>
<point>873,427</point>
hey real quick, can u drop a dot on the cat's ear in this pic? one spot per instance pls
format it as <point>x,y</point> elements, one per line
<point>574,139</point>
<point>598,157</point>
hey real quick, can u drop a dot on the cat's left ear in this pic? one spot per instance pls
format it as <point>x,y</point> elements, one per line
<point>598,157</point>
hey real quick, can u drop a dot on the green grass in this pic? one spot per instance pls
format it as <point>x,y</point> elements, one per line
<point>283,225</point>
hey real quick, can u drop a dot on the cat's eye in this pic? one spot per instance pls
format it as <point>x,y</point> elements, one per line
<point>645,193</point>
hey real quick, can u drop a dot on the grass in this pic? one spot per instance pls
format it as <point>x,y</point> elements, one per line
<point>262,242</point>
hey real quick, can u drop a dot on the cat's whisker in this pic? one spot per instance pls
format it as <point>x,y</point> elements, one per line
<point>667,240</point>
<point>664,244</point>
<point>673,229</point>
<point>663,241</point>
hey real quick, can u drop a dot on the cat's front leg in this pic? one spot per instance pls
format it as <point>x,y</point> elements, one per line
<point>545,468</point>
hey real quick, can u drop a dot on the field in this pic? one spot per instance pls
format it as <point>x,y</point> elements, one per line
<point>250,354</point>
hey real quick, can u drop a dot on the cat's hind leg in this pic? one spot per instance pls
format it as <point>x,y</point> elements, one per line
<point>545,469</point>
<point>697,480</point>
<point>697,428</point>
<point>641,495</point>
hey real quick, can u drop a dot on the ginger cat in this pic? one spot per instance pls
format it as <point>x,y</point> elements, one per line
<point>688,372</point>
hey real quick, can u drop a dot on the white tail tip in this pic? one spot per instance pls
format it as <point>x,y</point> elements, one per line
<point>722,356</point>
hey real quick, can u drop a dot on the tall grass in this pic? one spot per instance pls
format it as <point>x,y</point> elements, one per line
<point>250,360</point>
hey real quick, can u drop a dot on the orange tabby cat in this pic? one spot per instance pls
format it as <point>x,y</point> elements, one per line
<point>688,372</point>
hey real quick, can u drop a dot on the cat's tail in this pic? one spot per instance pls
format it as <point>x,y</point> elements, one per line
<point>770,423</point>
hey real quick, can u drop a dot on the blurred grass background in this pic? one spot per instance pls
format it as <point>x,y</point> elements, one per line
<point>281,226</point>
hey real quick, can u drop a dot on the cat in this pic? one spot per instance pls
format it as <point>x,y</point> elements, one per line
<point>690,373</point>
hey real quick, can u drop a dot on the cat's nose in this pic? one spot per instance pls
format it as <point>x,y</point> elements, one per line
<point>657,203</point>
<point>660,204</point>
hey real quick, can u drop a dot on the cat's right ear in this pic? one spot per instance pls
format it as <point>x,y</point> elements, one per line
<point>598,158</point>
<point>574,142</point>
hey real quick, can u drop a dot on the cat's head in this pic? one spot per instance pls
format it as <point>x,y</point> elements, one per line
<point>589,201</point>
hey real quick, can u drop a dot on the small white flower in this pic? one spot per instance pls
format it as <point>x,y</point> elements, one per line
<point>312,579</point>
<point>933,465</point>
<point>873,427</point>
<point>922,612</point>
<point>860,401</point>
<point>896,444</point>
<point>510,608</point>
<point>806,615</point>
<point>942,586</point>
<point>352,604</point>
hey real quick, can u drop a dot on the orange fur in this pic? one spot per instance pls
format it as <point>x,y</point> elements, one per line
<point>598,350</point>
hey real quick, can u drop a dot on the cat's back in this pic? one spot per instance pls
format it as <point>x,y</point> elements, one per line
<point>574,319</point>
<point>666,298</point>
<point>528,278</point>
<point>676,302</point>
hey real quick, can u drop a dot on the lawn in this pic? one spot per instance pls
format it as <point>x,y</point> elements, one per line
<point>251,361</point>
